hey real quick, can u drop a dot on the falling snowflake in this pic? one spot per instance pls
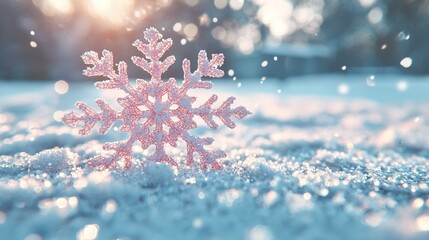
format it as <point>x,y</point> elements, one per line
<point>155,112</point>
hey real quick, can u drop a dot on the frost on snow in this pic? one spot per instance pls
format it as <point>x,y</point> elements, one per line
<point>148,117</point>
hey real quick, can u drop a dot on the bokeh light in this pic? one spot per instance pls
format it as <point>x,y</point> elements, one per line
<point>406,62</point>
<point>58,31</point>
<point>55,7</point>
<point>61,87</point>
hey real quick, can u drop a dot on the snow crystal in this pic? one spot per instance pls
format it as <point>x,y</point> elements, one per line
<point>231,72</point>
<point>2,217</point>
<point>402,86</point>
<point>406,62</point>
<point>343,89</point>
<point>61,87</point>
<point>259,233</point>
<point>89,232</point>
<point>33,44</point>
<point>370,80</point>
<point>144,107</point>
<point>423,223</point>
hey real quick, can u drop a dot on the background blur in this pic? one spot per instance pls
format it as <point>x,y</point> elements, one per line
<point>43,39</point>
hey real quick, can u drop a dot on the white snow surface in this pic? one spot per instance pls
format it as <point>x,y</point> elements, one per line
<point>309,163</point>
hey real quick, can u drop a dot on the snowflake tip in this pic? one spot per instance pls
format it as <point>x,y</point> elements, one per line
<point>241,112</point>
<point>209,68</point>
<point>71,119</point>
<point>152,35</point>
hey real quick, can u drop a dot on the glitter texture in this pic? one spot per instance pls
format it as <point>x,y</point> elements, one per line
<point>145,115</point>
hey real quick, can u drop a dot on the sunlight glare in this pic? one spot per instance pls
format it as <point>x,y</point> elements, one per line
<point>113,11</point>
<point>55,7</point>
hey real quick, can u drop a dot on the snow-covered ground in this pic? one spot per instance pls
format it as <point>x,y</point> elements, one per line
<point>322,157</point>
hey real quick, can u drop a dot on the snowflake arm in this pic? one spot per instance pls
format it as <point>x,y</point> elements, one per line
<point>121,149</point>
<point>90,117</point>
<point>101,67</point>
<point>104,67</point>
<point>153,51</point>
<point>196,144</point>
<point>224,112</point>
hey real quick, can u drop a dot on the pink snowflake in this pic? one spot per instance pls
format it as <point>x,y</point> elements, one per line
<point>148,116</point>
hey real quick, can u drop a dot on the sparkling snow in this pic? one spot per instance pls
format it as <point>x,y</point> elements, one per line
<point>310,163</point>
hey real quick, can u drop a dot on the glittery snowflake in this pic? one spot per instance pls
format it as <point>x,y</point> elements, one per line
<point>155,112</point>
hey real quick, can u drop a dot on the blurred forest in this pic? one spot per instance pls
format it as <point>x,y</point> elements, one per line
<point>43,39</point>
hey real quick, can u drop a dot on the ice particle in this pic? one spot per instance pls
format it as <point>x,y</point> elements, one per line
<point>190,30</point>
<point>402,86</point>
<point>417,203</point>
<point>370,80</point>
<point>230,72</point>
<point>343,89</point>
<point>259,233</point>
<point>2,217</point>
<point>89,232</point>
<point>422,223</point>
<point>373,219</point>
<point>220,4</point>
<point>33,44</point>
<point>236,4</point>
<point>61,87</point>
<point>306,196</point>
<point>324,192</point>
<point>110,206</point>
<point>61,202</point>
<point>406,62</point>
<point>33,236</point>
<point>197,223</point>
<point>177,27</point>
<point>375,15</point>
<point>264,64</point>
<point>58,115</point>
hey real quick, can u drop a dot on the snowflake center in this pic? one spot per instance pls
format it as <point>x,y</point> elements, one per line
<point>161,107</point>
